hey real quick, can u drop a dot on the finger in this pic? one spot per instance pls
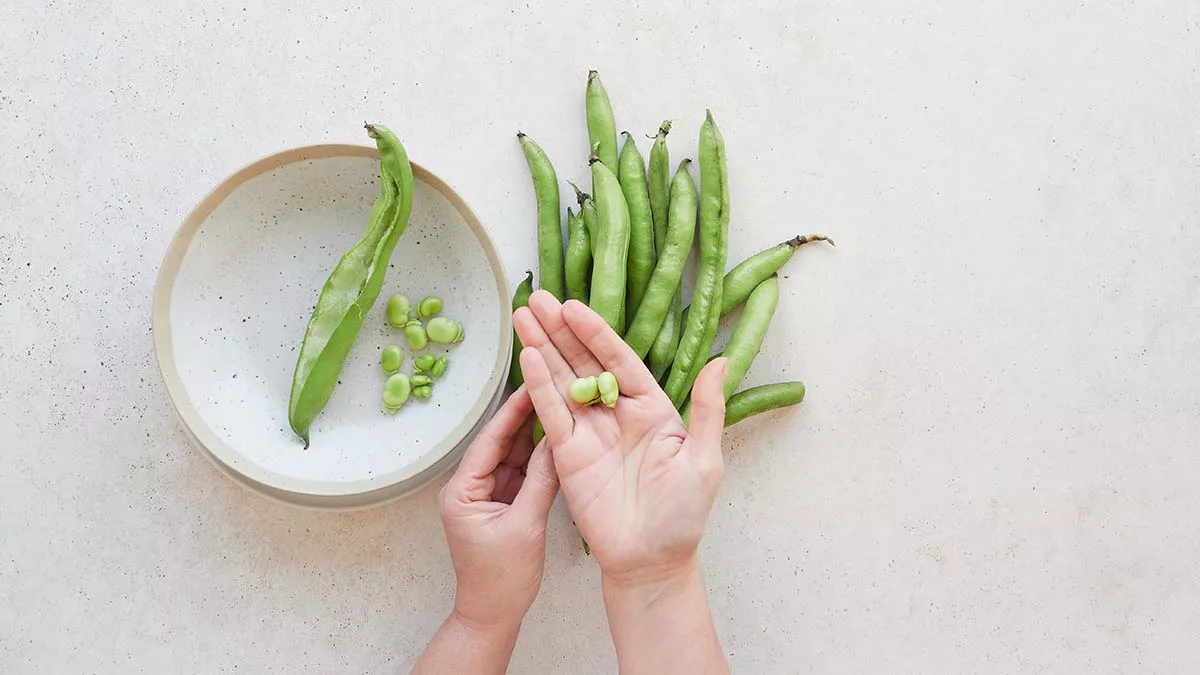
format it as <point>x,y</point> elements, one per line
<point>540,487</point>
<point>548,311</point>
<point>508,483</point>
<point>495,441</point>
<point>522,446</point>
<point>608,347</point>
<point>548,401</point>
<point>530,330</point>
<point>708,413</point>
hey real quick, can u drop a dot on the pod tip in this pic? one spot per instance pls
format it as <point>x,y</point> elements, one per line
<point>520,134</point>
<point>580,195</point>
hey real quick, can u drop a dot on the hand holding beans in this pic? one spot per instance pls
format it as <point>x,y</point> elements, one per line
<point>638,483</point>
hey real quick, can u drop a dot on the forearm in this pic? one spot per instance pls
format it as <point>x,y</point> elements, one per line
<point>664,627</point>
<point>463,646</point>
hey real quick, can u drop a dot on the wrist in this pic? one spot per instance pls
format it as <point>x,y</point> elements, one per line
<point>662,623</point>
<point>496,609</point>
<point>486,628</point>
<point>652,584</point>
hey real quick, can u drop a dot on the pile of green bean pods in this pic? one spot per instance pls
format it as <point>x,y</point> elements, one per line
<point>625,253</point>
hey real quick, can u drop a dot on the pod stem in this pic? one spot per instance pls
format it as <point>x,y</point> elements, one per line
<point>580,195</point>
<point>663,130</point>
<point>802,239</point>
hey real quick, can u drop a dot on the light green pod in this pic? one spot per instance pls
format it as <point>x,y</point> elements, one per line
<point>585,390</point>
<point>420,380</point>
<point>610,248</point>
<point>397,310</point>
<point>641,253</point>
<point>659,178</point>
<point>606,382</point>
<point>424,363</point>
<point>602,128</point>
<point>443,330</point>
<point>423,393</point>
<point>395,392</point>
<point>428,306</point>
<point>391,359</point>
<point>414,332</point>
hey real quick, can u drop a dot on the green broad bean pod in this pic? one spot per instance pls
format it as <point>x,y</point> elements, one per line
<point>579,257</point>
<point>747,338</point>
<point>758,400</point>
<point>602,127</point>
<point>659,179</point>
<point>640,260</point>
<point>520,299</point>
<point>549,227</point>
<point>611,247</point>
<point>351,288</point>
<point>701,327</point>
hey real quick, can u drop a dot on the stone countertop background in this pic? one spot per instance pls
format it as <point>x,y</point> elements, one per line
<point>996,469</point>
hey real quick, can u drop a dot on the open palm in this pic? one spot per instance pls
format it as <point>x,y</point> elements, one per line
<point>638,483</point>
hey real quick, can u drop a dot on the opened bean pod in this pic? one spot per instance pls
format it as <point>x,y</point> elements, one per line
<point>351,288</point>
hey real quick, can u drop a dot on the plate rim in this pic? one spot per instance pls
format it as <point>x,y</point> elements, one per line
<point>317,493</point>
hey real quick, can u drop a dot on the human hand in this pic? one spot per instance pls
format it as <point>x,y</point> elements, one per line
<point>638,483</point>
<point>494,511</point>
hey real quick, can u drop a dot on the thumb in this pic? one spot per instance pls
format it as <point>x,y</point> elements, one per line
<point>708,411</point>
<point>540,486</point>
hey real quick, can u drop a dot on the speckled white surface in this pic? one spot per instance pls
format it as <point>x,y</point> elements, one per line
<point>277,236</point>
<point>996,469</point>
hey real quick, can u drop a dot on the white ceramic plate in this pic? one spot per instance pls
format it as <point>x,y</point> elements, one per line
<point>233,299</point>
